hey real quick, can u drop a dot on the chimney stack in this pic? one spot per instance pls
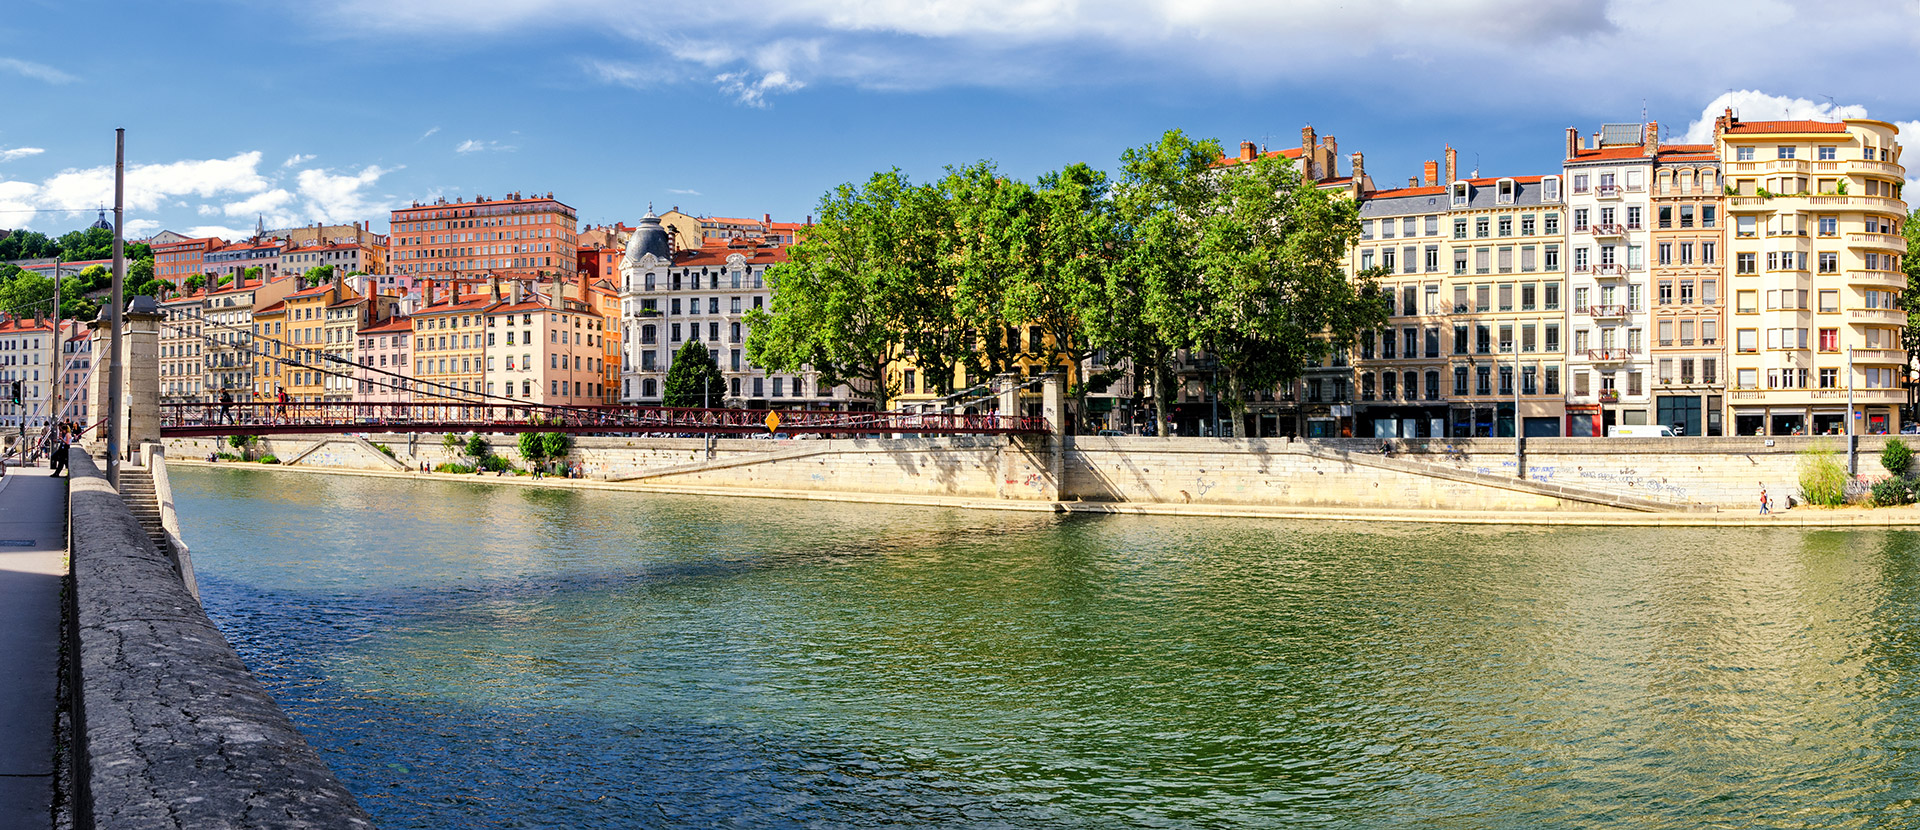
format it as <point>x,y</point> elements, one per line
<point>1359,183</point>
<point>1651,139</point>
<point>1307,161</point>
<point>1573,142</point>
<point>1453,165</point>
<point>1724,122</point>
<point>1332,149</point>
<point>1413,181</point>
<point>1431,171</point>
<point>1248,151</point>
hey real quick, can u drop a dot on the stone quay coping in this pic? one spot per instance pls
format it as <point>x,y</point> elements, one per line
<point>172,731</point>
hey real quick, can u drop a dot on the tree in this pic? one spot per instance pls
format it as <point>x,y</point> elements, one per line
<point>532,448</point>
<point>556,444</point>
<point>314,277</point>
<point>28,245</point>
<point>1059,283</point>
<point>836,300</point>
<point>1161,194</point>
<point>693,369</point>
<point>196,282</point>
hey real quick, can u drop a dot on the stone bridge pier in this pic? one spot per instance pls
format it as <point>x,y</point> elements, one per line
<point>140,380</point>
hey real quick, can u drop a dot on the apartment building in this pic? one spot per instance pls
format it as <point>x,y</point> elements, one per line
<point>177,259</point>
<point>670,296</point>
<point>183,349</point>
<point>1609,364</point>
<point>1688,278</point>
<point>232,353</point>
<point>233,260</point>
<point>1475,274</point>
<point>382,350</point>
<point>1816,249</point>
<point>345,257</point>
<point>449,345</point>
<point>27,355</point>
<point>544,350</point>
<point>513,237</point>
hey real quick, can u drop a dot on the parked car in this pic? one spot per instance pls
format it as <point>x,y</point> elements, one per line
<point>1640,431</point>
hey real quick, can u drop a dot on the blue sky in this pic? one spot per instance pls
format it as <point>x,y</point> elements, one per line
<point>335,110</point>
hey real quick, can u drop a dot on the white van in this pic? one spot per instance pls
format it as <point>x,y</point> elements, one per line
<point>1640,431</point>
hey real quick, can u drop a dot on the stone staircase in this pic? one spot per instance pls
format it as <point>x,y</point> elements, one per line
<point>136,489</point>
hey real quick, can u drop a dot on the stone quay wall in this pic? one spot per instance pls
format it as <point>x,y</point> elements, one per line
<point>1459,474</point>
<point>171,729</point>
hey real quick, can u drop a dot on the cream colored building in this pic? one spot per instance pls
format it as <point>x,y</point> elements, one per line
<point>1816,213</point>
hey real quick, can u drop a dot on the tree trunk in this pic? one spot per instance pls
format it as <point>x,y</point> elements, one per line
<point>1160,379</point>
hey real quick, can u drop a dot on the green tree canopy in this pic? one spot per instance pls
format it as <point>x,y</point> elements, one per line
<point>314,277</point>
<point>693,369</point>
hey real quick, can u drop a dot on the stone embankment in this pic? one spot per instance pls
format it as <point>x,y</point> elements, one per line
<point>171,730</point>
<point>1132,474</point>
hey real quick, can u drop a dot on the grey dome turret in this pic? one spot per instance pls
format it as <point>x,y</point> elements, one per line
<point>649,238</point>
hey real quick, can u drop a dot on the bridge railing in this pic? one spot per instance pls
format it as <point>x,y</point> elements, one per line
<point>204,419</point>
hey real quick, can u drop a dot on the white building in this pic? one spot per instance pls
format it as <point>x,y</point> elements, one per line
<point>1609,366</point>
<point>670,296</point>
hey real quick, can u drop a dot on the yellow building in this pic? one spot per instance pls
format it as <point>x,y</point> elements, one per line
<point>268,348</point>
<point>314,329</point>
<point>449,348</point>
<point>1816,248</point>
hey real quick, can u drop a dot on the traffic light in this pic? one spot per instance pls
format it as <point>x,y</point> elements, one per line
<point>16,392</point>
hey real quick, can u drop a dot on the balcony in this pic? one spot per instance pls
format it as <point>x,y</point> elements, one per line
<point>1607,310</point>
<point>1894,280</point>
<point>1605,230</point>
<point>1881,241</point>
<point>1609,396</point>
<point>1881,315</point>
<point>1879,356</point>
<point>1609,269</point>
<point>1877,204</point>
<point>1884,168</point>
<point>1747,204</point>
<point>1606,191</point>
<point>1608,355</point>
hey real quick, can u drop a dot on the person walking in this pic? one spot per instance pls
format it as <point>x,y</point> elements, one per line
<point>57,455</point>
<point>1765,505</point>
<point>226,405</point>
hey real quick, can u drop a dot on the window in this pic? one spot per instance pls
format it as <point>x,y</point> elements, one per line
<point>1747,341</point>
<point>1459,229</point>
<point>1743,154</point>
<point>1829,340</point>
<point>1746,263</point>
<point>1633,218</point>
<point>1785,151</point>
<point>1827,153</point>
<point>1580,183</point>
<point>1580,219</point>
<point>1433,226</point>
<point>1432,258</point>
<point>1829,226</point>
<point>1707,216</point>
<point>1459,380</point>
<point>1482,227</point>
<point>1666,253</point>
<point>1506,226</point>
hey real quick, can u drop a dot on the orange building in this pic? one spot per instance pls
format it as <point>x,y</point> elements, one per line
<point>174,262</point>
<point>511,237</point>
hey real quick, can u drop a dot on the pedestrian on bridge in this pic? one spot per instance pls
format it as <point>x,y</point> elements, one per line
<point>226,405</point>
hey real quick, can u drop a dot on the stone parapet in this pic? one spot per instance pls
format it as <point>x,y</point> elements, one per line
<point>172,730</point>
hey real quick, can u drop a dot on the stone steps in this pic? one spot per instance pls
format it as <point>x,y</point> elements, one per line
<point>136,489</point>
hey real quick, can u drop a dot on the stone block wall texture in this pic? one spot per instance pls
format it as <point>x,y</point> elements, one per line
<point>177,733</point>
<point>1724,472</point>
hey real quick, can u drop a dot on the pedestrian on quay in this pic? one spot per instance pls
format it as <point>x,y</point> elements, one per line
<point>1765,505</point>
<point>57,455</point>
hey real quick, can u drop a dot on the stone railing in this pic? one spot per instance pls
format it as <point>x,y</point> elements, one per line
<point>170,729</point>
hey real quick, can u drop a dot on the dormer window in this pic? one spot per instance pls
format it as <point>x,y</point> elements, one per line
<point>1460,193</point>
<point>1504,192</point>
<point>1550,189</point>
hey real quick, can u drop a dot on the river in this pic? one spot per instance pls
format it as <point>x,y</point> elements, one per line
<point>473,656</point>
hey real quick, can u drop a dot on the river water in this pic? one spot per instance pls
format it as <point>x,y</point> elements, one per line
<point>475,656</point>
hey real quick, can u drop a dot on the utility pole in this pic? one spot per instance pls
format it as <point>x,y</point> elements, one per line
<point>1519,437</point>
<point>115,399</point>
<point>1853,436</point>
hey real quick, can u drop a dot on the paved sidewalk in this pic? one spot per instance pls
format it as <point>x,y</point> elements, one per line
<point>33,558</point>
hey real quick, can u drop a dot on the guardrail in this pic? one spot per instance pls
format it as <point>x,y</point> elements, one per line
<point>210,419</point>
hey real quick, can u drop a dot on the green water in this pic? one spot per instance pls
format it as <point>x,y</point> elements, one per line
<point>469,656</point>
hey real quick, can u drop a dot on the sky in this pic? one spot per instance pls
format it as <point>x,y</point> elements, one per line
<point>299,111</point>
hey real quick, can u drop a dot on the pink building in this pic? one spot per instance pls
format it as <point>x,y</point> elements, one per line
<point>546,354</point>
<point>381,348</point>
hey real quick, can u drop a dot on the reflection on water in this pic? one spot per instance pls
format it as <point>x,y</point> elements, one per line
<point>468,656</point>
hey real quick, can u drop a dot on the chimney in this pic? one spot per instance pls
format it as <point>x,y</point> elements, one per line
<point>1724,123</point>
<point>1248,151</point>
<point>1651,140</point>
<point>1307,161</point>
<point>1359,183</point>
<point>1453,162</point>
<point>766,218</point>
<point>494,285</point>
<point>516,292</point>
<point>1573,141</point>
<point>1332,148</point>
<point>426,292</point>
<point>1431,171</point>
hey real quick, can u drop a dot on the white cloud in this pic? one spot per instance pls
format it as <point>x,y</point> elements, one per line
<point>678,191</point>
<point>343,198</point>
<point>298,158</point>
<point>9,154</point>
<point>425,135</point>
<point>476,146</point>
<point>269,204</point>
<point>1754,105</point>
<point>36,71</point>
<point>222,231</point>
<point>753,93</point>
<point>142,228</point>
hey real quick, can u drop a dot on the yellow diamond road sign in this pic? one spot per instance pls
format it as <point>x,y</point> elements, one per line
<point>773,421</point>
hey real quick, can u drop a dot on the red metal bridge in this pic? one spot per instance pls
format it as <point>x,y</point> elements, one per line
<point>270,418</point>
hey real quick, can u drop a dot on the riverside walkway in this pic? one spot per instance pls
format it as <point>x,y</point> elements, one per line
<point>33,561</point>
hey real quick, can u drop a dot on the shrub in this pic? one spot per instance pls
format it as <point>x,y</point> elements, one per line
<point>1896,456</point>
<point>450,467</point>
<point>1823,480</point>
<point>384,449</point>
<point>1893,491</point>
<point>225,456</point>
<point>269,458</point>
<point>496,464</point>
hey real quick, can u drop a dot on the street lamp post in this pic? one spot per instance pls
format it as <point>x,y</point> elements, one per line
<point>1853,436</point>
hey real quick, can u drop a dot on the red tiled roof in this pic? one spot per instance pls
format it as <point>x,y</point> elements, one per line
<point>1787,127</point>
<point>1229,161</point>
<point>401,323</point>
<point>1435,190</point>
<point>279,305</point>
